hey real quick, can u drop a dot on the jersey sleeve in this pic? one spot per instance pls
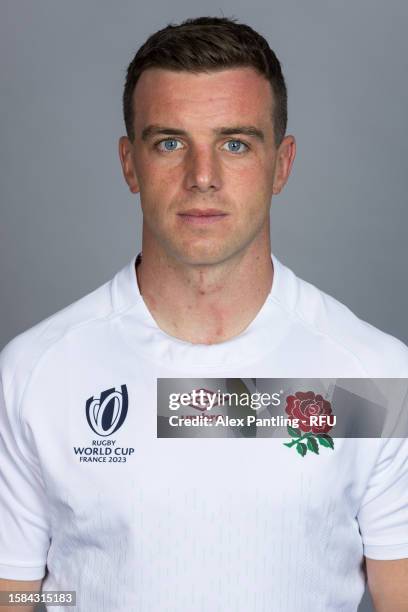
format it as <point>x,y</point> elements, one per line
<point>24,528</point>
<point>383,513</point>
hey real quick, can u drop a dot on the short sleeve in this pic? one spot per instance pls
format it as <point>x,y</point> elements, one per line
<point>24,528</point>
<point>383,514</point>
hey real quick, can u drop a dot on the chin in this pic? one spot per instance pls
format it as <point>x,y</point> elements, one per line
<point>203,256</point>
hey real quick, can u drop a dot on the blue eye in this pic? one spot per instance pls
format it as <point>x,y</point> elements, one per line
<point>236,146</point>
<point>170,144</point>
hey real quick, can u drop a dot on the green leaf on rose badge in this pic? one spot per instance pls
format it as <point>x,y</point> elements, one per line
<point>326,440</point>
<point>312,445</point>
<point>301,448</point>
<point>314,415</point>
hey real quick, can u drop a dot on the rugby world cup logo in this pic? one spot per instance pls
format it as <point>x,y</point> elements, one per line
<point>105,414</point>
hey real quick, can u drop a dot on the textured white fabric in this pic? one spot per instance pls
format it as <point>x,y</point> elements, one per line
<point>192,524</point>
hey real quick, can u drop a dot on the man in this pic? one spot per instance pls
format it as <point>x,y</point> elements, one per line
<point>197,524</point>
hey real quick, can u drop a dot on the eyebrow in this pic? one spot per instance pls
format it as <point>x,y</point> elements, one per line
<point>247,130</point>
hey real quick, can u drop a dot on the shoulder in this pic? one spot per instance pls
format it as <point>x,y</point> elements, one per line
<point>23,352</point>
<point>321,315</point>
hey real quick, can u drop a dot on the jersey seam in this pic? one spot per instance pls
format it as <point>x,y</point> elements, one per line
<point>316,330</point>
<point>54,342</point>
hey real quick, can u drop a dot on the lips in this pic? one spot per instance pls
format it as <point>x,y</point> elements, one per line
<point>199,212</point>
<point>199,217</point>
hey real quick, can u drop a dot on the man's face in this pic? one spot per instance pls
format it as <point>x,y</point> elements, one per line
<point>205,161</point>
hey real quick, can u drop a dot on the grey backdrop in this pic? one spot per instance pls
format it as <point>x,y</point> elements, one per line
<point>68,222</point>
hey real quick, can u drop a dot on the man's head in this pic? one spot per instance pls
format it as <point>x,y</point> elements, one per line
<point>205,110</point>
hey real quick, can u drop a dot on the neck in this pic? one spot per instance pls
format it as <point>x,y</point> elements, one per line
<point>205,304</point>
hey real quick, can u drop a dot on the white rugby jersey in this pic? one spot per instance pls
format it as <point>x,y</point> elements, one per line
<point>203,524</point>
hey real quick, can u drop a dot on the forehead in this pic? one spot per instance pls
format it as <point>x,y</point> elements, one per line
<point>223,96</point>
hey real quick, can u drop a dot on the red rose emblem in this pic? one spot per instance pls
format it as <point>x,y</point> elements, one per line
<point>303,405</point>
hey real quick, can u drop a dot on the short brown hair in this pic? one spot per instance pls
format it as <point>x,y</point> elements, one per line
<point>205,44</point>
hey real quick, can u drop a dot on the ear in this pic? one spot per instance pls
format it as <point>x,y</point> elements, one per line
<point>284,161</point>
<point>126,160</point>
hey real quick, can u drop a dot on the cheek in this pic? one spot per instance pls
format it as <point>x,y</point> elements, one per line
<point>150,177</point>
<point>156,185</point>
<point>248,174</point>
<point>251,188</point>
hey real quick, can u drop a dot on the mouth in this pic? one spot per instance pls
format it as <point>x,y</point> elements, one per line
<point>198,216</point>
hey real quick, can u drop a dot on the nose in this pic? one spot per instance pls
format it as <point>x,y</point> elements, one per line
<point>203,172</point>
